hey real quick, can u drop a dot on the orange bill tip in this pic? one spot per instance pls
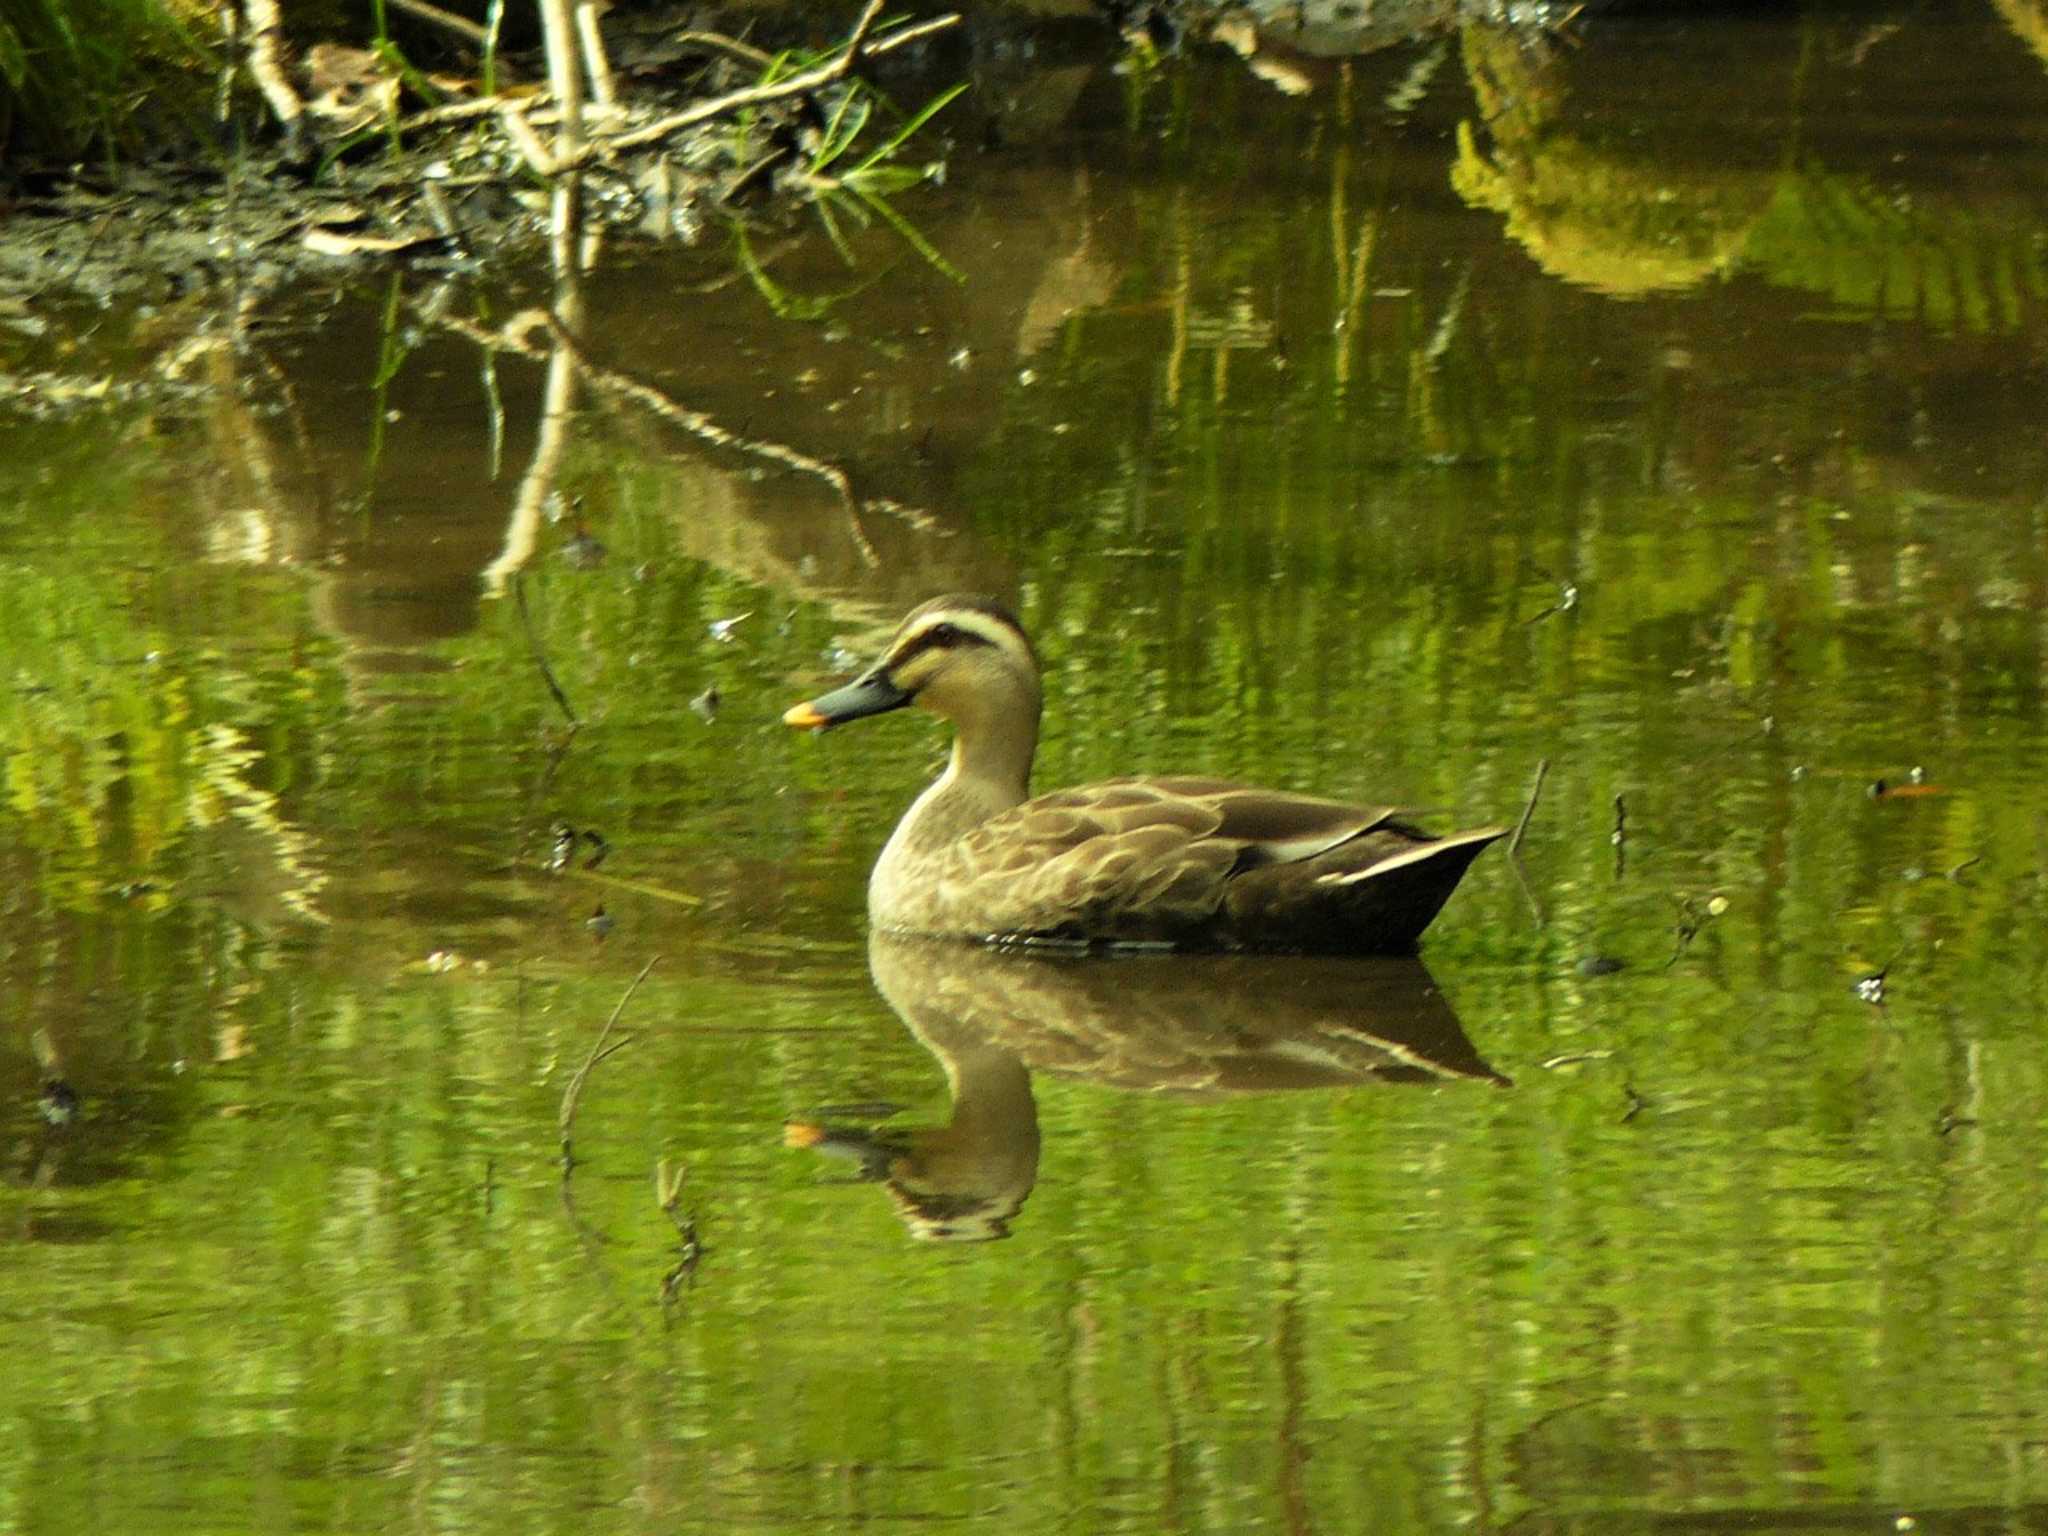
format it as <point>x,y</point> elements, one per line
<point>804,716</point>
<point>801,1133</point>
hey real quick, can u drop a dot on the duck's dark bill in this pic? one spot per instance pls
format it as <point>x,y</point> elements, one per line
<point>870,695</point>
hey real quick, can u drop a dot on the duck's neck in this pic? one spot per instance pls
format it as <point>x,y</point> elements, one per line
<point>988,773</point>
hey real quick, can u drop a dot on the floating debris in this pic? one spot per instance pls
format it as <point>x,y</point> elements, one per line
<point>1573,1059</point>
<point>564,850</point>
<point>1599,965</point>
<point>705,705</point>
<point>1692,916</point>
<point>1567,598</point>
<point>600,923</point>
<point>721,630</point>
<point>58,1103</point>
<point>1871,988</point>
<point>583,550</point>
<point>567,840</point>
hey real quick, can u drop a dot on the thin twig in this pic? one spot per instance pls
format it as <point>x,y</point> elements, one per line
<point>572,1097</point>
<point>494,26</point>
<point>911,34</point>
<point>1515,842</point>
<point>668,1190</point>
<point>448,21</point>
<point>1535,793</point>
<point>524,99</point>
<point>1528,890</point>
<point>540,660</point>
<point>799,84</point>
<point>512,118</point>
<point>731,47</point>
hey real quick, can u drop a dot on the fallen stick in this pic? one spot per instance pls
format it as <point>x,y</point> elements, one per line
<point>540,659</point>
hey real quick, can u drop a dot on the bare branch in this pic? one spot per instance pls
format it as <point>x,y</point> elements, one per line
<point>266,63</point>
<point>799,84</point>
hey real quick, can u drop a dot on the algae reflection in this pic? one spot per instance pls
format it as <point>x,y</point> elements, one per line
<point>1199,1028</point>
<point>1770,170</point>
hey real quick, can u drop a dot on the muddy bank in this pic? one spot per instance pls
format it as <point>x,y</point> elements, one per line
<point>326,155</point>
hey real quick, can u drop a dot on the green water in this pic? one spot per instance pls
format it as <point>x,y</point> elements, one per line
<point>1690,442</point>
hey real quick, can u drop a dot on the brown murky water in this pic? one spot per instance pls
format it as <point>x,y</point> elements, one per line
<point>1666,408</point>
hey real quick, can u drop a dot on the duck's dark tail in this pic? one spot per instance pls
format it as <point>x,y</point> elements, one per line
<point>1373,895</point>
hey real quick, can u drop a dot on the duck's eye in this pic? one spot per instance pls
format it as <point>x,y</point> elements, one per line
<point>944,634</point>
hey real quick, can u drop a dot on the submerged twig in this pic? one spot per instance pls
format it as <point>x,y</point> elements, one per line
<point>572,1097</point>
<point>540,660</point>
<point>1515,842</point>
<point>1687,928</point>
<point>1529,810</point>
<point>1528,891</point>
<point>668,1191</point>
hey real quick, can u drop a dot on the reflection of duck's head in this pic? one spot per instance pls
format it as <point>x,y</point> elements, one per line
<point>962,1182</point>
<point>1189,1026</point>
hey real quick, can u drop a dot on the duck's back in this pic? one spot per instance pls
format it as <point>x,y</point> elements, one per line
<point>1200,863</point>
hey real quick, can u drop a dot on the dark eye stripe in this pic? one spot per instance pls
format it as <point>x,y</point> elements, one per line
<point>942,637</point>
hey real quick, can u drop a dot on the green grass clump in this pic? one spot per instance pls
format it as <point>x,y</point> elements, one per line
<point>93,78</point>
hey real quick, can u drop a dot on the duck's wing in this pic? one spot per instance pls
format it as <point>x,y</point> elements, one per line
<point>1142,859</point>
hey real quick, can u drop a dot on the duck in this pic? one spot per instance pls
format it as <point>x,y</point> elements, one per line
<point>1175,862</point>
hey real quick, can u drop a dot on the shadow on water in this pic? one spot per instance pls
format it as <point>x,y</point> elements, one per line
<point>1189,1027</point>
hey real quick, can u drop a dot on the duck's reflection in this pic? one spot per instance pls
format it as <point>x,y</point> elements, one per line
<point>1191,1026</point>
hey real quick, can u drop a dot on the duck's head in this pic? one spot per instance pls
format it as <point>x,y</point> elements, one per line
<point>962,658</point>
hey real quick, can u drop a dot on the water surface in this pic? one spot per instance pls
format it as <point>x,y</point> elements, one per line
<point>1666,409</point>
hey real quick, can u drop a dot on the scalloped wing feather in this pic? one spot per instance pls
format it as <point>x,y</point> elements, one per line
<point>1137,858</point>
